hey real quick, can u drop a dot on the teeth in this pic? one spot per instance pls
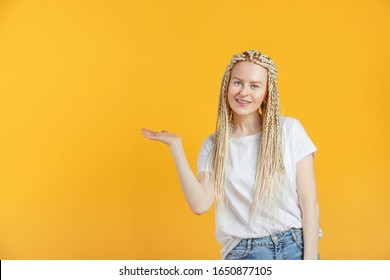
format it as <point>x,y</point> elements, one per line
<point>242,101</point>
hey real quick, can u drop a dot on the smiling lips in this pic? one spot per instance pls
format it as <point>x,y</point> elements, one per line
<point>243,102</point>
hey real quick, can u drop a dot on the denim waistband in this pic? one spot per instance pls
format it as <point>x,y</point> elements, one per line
<point>273,239</point>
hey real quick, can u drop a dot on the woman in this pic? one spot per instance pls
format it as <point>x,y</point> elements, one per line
<point>258,166</point>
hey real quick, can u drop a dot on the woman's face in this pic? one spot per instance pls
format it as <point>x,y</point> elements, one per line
<point>247,87</point>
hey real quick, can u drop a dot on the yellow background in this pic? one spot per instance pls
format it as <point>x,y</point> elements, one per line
<point>79,79</point>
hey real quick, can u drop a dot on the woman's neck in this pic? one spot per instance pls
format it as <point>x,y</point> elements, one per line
<point>246,125</point>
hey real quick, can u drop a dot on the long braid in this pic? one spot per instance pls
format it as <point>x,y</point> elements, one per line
<point>270,159</point>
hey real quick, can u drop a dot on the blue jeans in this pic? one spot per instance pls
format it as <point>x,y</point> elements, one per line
<point>286,245</point>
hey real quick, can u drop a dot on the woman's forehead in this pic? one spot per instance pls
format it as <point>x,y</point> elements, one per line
<point>249,70</point>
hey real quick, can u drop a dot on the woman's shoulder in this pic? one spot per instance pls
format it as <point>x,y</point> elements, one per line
<point>207,144</point>
<point>209,139</point>
<point>291,125</point>
<point>288,121</point>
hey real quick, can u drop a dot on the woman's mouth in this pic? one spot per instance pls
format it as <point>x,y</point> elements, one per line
<point>242,102</point>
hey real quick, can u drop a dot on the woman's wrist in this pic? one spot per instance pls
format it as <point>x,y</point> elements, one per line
<point>175,144</point>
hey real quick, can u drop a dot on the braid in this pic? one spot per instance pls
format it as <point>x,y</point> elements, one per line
<point>270,162</point>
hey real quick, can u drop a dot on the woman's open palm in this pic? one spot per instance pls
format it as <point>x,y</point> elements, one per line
<point>163,136</point>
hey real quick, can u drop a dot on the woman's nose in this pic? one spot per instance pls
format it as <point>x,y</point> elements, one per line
<point>244,90</point>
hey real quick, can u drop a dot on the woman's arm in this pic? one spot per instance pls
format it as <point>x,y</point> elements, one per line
<point>199,194</point>
<point>306,188</point>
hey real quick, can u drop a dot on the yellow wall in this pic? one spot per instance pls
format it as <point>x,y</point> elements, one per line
<point>79,79</point>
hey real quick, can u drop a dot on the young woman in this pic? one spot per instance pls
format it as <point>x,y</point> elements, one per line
<point>257,165</point>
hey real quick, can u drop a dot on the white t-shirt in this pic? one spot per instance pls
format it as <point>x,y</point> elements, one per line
<point>240,177</point>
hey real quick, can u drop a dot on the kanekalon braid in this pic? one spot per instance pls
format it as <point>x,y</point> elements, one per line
<point>270,159</point>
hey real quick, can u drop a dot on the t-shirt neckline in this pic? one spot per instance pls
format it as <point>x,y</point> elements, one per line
<point>247,137</point>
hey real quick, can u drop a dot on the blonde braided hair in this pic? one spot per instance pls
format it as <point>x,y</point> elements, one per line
<point>270,161</point>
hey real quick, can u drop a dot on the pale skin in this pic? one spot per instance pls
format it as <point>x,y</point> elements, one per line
<point>247,90</point>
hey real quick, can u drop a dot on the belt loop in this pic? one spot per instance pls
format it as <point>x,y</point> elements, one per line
<point>294,234</point>
<point>248,244</point>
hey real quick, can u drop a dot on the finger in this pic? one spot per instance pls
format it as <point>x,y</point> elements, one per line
<point>149,132</point>
<point>153,134</point>
<point>150,136</point>
<point>146,130</point>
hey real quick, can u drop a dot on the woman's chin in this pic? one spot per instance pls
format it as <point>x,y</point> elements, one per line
<point>245,113</point>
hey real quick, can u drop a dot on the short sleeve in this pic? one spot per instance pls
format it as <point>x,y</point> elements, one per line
<point>203,162</point>
<point>302,144</point>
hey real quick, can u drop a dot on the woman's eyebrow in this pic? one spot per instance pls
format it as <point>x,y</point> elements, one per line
<point>251,81</point>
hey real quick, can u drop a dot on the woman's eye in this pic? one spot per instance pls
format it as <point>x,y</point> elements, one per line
<point>238,83</point>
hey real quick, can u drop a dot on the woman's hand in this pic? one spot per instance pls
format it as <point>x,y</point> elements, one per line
<point>199,194</point>
<point>164,136</point>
